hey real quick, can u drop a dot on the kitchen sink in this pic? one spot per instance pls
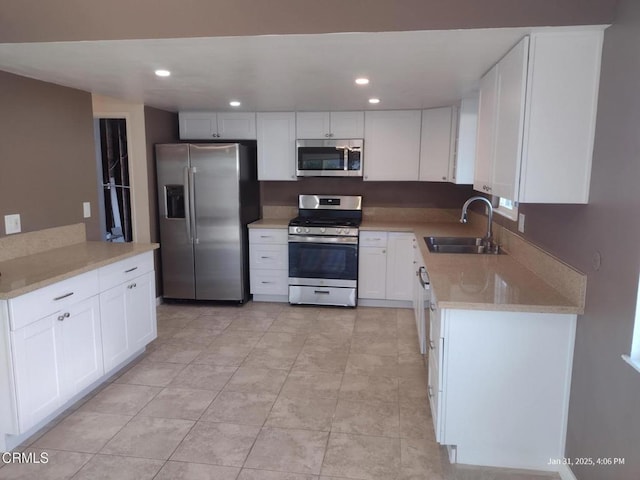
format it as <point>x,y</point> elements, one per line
<point>473,245</point>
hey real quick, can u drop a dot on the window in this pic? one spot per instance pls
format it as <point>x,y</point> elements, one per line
<point>634,357</point>
<point>508,208</point>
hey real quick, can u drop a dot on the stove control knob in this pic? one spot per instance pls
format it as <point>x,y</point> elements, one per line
<point>347,231</point>
<point>322,229</point>
<point>306,230</point>
<point>338,230</point>
<point>298,229</point>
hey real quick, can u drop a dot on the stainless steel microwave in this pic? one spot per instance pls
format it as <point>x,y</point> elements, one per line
<point>329,158</point>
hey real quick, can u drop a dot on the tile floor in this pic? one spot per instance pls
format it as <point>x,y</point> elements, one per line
<point>259,392</point>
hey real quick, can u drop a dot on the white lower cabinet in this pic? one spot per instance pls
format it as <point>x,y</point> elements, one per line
<point>55,358</point>
<point>65,337</point>
<point>385,266</point>
<point>128,319</point>
<point>372,272</point>
<point>400,266</point>
<point>499,385</point>
<point>269,261</point>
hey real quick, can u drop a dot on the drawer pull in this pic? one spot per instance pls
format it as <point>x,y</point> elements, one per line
<point>63,316</point>
<point>264,258</point>
<point>131,270</point>
<point>133,285</point>
<point>63,296</point>
<point>265,236</point>
<point>324,292</point>
<point>265,282</point>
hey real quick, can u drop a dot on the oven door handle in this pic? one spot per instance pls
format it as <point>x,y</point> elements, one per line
<point>323,239</point>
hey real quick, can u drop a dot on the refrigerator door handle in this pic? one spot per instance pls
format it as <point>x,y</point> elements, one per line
<point>187,203</point>
<point>192,201</point>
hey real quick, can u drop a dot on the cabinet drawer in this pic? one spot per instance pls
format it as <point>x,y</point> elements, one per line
<point>373,239</point>
<point>269,235</point>
<point>125,270</point>
<point>32,306</point>
<point>269,256</point>
<point>270,282</point>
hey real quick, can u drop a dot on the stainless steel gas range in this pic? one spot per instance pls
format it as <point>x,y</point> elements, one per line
<point>323,250</point>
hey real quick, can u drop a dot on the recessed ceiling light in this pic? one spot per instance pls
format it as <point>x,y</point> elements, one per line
<point>374,100</point>
<point>234,103</point>
<point>163,73</point>
<point>362,81</point>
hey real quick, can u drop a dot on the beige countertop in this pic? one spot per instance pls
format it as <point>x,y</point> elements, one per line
<point>477,282</point>
<point>270,223</point>
<point>27,273</point>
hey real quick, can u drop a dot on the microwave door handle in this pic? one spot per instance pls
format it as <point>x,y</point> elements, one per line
<point>345,150</point>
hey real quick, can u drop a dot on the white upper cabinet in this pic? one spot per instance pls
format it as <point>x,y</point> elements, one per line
<point>437,143</point>
<point>536,119</point>
<point>463,159</point>
<point>392,145</point>
<point>448,142</point>
<point>488,101</point>
<point>347,124</point>
<point>276,146</point>
<point>217,125</point>
<point>512,76</point>
<point>330,124</point>
<point>562,101</point>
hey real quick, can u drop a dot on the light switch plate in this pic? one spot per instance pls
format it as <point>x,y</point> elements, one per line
<point>521,222</point>
<point>12,224</point>
<point>86,209</point>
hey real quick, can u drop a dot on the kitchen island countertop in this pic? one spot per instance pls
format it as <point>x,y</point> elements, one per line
<point>28,273</point>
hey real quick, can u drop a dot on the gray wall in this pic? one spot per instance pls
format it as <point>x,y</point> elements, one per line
<point>604,413</point>
<point>118,19</point>
<point>47,155</point>
<point>160,127</point>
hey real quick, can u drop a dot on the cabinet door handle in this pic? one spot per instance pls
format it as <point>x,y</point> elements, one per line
<point>432,306</point>
<point>63,296</point>
<point>432,345</point>
<point>133,285</point>
<point>430,388</point>
<point>265,257</point>
<point>131,270</point>
<point>63,316</point>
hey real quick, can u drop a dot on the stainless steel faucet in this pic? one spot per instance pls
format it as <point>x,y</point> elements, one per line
<point>463,217</point>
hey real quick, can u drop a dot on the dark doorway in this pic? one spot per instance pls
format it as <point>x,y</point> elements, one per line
<point>115,181</point>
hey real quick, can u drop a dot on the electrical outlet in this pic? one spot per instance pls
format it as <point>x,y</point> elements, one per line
<point>521,222</point>
<point>12,224</point>
<point>86,209</point>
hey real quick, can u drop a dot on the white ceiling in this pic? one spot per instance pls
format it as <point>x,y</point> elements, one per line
<point>417,69</point>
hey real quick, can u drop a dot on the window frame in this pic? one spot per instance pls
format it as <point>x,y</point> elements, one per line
<point>510,213</point>
<point>633,358</point>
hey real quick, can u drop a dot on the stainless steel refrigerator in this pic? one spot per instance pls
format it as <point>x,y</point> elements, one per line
<point>207,194</point>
